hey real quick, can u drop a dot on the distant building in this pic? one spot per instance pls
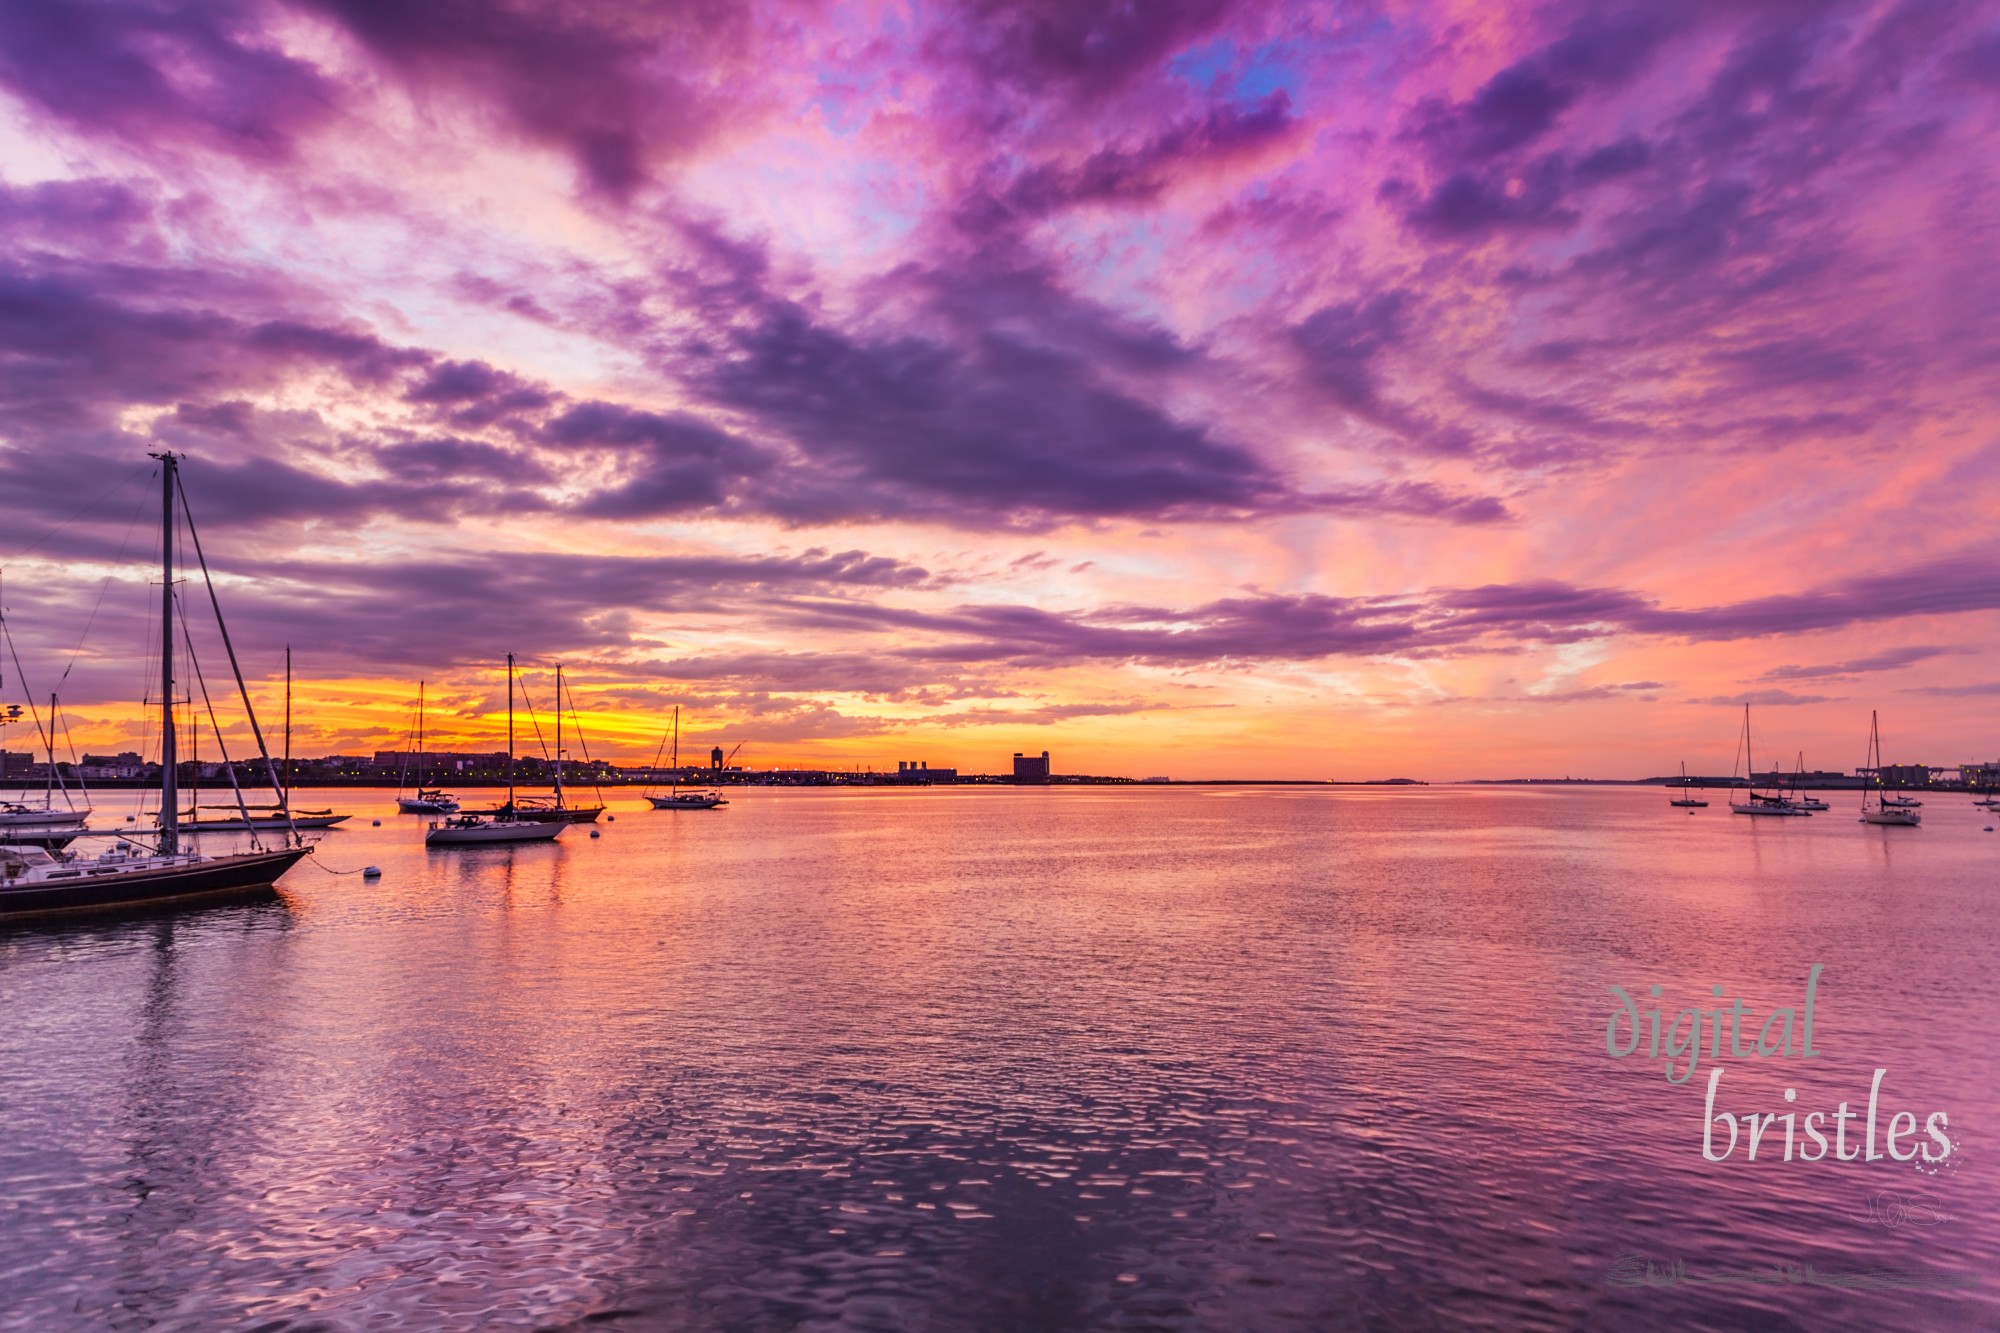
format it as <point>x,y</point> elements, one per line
<point>1028,769</point>
<point>124,764</point>
<point>13,761</point>
<point>918,774</point>
<point>715,759</point>
<point>1904,775</point>
<point>1980,775</point>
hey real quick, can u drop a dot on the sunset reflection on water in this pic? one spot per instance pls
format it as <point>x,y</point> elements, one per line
<point>991,1058</point>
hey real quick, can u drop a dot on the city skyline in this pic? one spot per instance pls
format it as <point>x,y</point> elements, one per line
<point>1409,392</point>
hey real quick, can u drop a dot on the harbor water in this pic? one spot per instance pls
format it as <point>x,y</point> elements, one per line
<point>1059,1058</point>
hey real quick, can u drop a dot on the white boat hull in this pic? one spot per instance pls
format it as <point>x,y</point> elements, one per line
<point>1776,810</point>
<point>703,802</point>
<point>34,818</point>
<point>1899,818</point>
<point>458,834</point>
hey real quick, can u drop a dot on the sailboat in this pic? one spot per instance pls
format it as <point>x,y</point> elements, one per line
<point>678,799</point>
<point>1799,799</point>
<point>38,882</point>
<point>1755,802</point>
<point>1886,810</point>
<point>1684,799</point>
<point>548,809</point>
<point>42,825</point>
<point>428,800</point>
<point>268,817</point>
<point>460,830</point>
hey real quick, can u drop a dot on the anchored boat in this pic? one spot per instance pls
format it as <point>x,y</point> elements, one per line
<point>38,882</point>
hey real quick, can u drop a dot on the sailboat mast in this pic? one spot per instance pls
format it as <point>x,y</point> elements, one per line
<point>1874,778</point>
<point>420,739</point>
<point>559,736</point>
<point>1749,760</point>
<point>510,734</point>
<point>170,795</point>
<point>286,794</point>
<point>677,749</point>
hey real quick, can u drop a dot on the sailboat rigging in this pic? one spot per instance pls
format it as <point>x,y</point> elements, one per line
<point>677,799</point>
<point>428,800</point>
<point>548,809</point>
<point>1755,802</point>
<point>35,882</point>
<point>1887,810</point>
<point>1687,798</point>
<point>462,830</point>
<point>278,814</point>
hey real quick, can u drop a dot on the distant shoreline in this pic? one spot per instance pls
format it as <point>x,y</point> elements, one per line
<point>33,789</point>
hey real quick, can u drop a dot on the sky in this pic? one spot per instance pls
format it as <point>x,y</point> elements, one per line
<point>1188,388</point>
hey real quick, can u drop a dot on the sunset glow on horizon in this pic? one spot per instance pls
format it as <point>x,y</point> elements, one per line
<point>1213,389</point>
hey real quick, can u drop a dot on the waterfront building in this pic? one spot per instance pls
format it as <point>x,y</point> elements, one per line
<point>1028,769</point>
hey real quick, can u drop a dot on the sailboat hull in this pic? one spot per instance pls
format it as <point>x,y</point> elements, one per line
<point>1777,810</point>
<point>261,823</point>
<point>42,835</point>
<point>475,833</point>
<point>30,817</point>
<point>686,802</point>
<point>545,814</point>
<point>411,806</point>
<point>114,890</point>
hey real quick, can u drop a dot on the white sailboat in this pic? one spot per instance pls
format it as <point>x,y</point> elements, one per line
<point>1755,802</point>
<point>553,809</point>
<point>43,824</point>
<point>677,799</point>
<point>1886,810</point>
<point>1799,798</point>
<point>271,816</point>
<point>428,800</point>
<point>465,830</point>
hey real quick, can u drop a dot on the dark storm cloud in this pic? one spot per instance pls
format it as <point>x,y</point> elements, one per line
<point>1950,586</point>
<point>1009,411</point>
<point>473,394</point>
<point>672,463</point>
<point>1078,50</point>
<point>1767,698</point>
<point>153,73</point>
<point>1468,206</point>
<point>1524,101</point>
<point>620,88</point>
<point>1893,660</point>
<point>1139,175</point>
<point>998,428</point>
<point>1311,626</point>
<point>404,615</point>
